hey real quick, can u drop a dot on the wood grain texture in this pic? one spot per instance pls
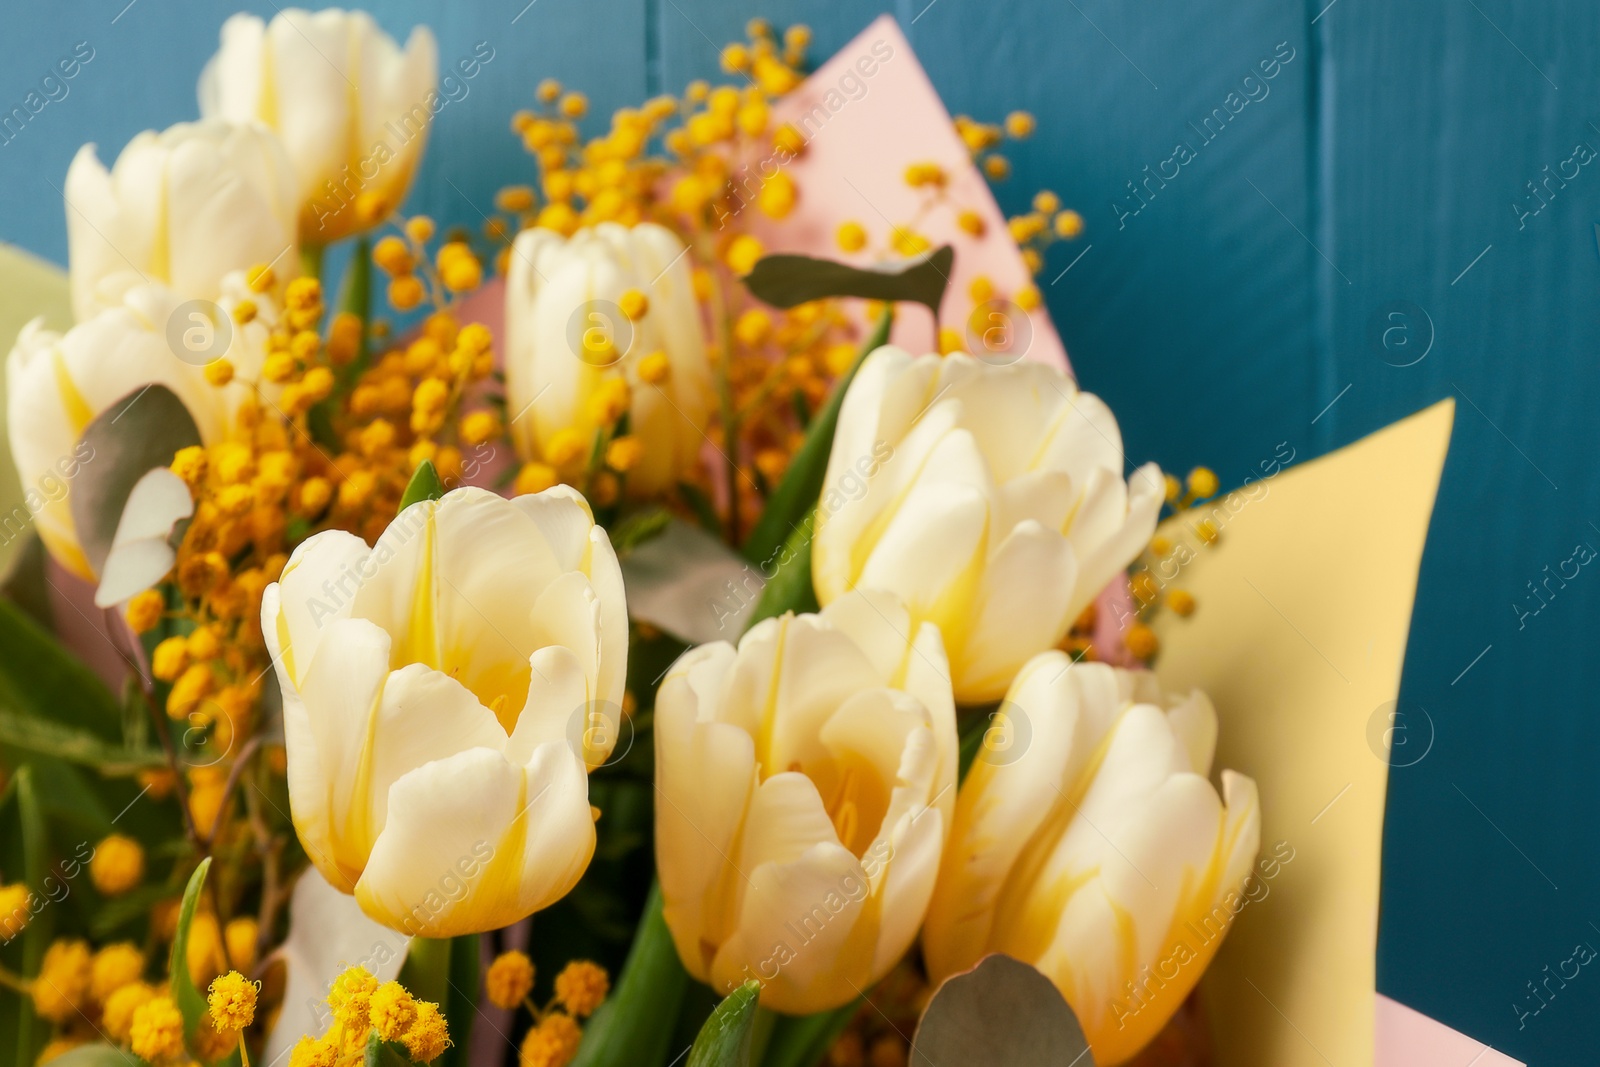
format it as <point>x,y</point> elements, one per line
<point>1221,321</point>
<point>1443,112</point>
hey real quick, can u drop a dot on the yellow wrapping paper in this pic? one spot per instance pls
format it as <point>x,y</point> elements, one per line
<point>1304,605</point>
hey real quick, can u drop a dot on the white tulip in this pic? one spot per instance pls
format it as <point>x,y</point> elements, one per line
<point>444,692</point>
<point>56,384</point>
<point>353,110</point>
<point>181,208</point>
<point>999,514</point>
<point>804,790</point>
<point>562,291</point>
<point>1089,842</point>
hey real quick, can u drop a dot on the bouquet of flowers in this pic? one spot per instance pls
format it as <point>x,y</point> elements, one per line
<point>604,564</point>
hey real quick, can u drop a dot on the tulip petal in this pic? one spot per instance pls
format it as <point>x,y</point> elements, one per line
<point>422,715</point>
<point>800,929</point>
<point>705,774</point>
<point>474,842</point>
<point>343,684</point>
<point>813,668</point>
<point>1012,788</point>
<point>1111,527</point>
<point>934,549</point>
<point>903,868</point>
<point>1022,605</point>
<point>1194,720</point>
<point>318,586</point>
<point>559,707</point>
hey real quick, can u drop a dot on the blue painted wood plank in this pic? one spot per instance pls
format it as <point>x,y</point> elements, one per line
<point>1443,113</point>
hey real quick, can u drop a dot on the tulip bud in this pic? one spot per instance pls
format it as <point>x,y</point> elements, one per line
<point>572,347</point>
<point>1089,842</point>
<point>56,384</point>
<point>444,692</point>
<point>805,784</point>
<point>352,109</point>
<point>988,498</point>
<point>183,207</point>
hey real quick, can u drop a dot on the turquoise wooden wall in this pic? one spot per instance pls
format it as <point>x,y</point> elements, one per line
<point>1387,172</point>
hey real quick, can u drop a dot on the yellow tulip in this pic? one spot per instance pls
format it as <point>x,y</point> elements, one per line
<point>598,324</point>
<point>999,513</point>
<point>182,208</point>
<point>443,693</point>
<point>1089,842</point>
<point>805,782</point>
<point>56,384</point>
<point>352,108</point>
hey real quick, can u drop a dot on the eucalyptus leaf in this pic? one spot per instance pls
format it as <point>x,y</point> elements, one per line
<point>797,493</point>
<point>189,1000</point>
<point>144,548</point>
<point>1002,1013</point>
<point>53,738</point>
<point>786,279</point>
<point>690,584</point>
<point>724,1040</point>
<point>424,485</point>
<point>132,437</point>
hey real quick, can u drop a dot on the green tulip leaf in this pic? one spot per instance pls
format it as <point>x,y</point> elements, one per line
<point>633,1028</point>
<point>789,588</point>
<point>784,280</point>
<point>26,582</point>
<point>122,444</point>
<point>74,745</point>
<point>27,853</point>
<point>724,1040</point>
<point>190,1001</point>
<point>424,485</point>
<point>1002,1013</point>
<point>40,679</point>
